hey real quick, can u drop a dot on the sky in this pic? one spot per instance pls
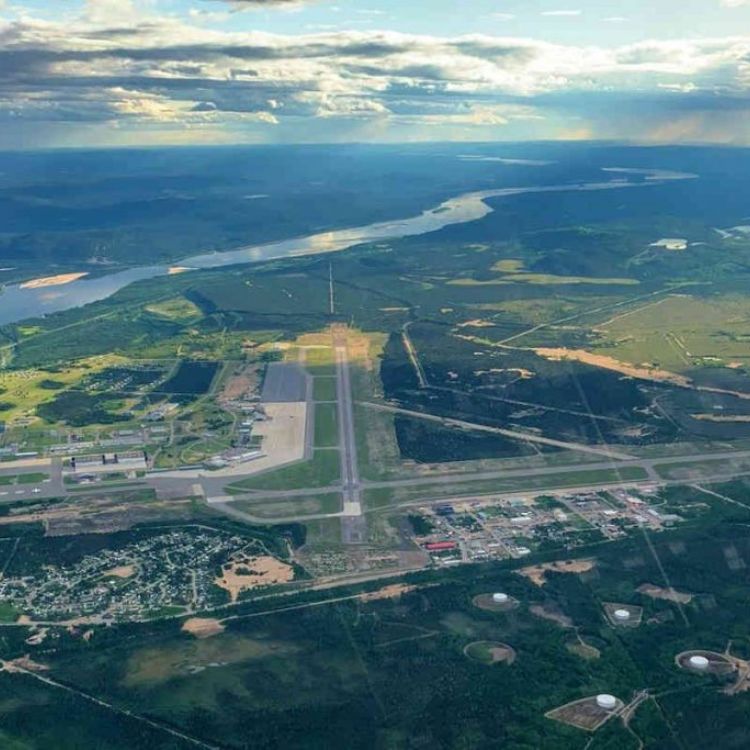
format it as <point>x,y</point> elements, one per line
<point>153,72</point>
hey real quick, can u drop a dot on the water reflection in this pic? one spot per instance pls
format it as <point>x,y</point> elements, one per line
<point>17,304</point>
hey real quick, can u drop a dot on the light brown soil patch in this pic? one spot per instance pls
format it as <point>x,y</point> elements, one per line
<point>250,573</point>
<point>550,613</point>
<point>388,592</point>
<point>485,601</point>
<point>123,571</point>
<point>585,714</point>
<point>670,595</point>
<point>61,278</point>
<point>537,573</point>
<point>202,627</point>
<point>25,664</point>
<point>584,650</point>
<point>719,664</point>
<point>498,652</point>
<point>642,372</point>
<point>239,384</point>
<point>477,323</point>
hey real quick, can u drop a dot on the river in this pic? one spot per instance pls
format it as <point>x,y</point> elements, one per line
<point>17,303</point>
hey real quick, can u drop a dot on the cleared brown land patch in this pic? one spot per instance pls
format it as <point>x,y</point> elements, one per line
<point>476,323</point>
<point>24,664</point>
<point>670,595</point>
<point>537,573</point>
<point>584,650</point>
<point>485,601</point>
<point>388,592</point>
<point>239,384</point>
<point>549,612</point>
<point>122,571</point>
<point>643,372</point>
<point>251,572</point>
<point>585,714</point>
<point>490,652</point>
<point>202,627</point>
<point>718,664</point>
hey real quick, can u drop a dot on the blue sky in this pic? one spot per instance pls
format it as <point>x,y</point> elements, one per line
<point>130,72</point>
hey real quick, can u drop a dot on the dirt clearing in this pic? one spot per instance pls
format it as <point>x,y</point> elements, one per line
<point>247,573</point>
<point>642,372</point>
<point>393,591</point>
<point>670,595</point>
<point>123,571</point>
<point>537,573</point>
<point>550,612</point>
<point>202,627</point>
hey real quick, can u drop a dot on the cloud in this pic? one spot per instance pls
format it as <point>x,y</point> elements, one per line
<point>116,69</point>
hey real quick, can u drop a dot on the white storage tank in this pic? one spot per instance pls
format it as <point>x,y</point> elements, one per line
<point>622,615</point>
<point>606,701</point>
<point>500,598</point>
<point>698,662</point>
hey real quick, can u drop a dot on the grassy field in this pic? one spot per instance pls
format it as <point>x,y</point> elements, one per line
<point>680,332</point>
<point>291,507</point>
<point>699,469</point>
<point>22,391</point>
<point>326,426</point>
<point>321,471</point>
<point>31,478</point>
<point>176,308</point>
<point>324,388</point>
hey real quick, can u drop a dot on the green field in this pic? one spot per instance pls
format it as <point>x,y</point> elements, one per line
<point>679,332</point>
<point>321,471</point>
<point>324,388</point>
<point>326,425</point>
<point>282,508</point>
<point>31,478</point>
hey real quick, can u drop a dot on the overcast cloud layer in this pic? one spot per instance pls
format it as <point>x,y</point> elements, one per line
<point>114,75</point>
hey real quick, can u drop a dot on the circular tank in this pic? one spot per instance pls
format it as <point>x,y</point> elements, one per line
<point>698,662</point>
<point>622,615</point>
<point>606,701</point>
<point>500,598</point>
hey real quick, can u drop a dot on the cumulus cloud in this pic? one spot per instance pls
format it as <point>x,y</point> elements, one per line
<point>115,68</point>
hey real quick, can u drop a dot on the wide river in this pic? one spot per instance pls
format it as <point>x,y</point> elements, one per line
<point>17,303</point>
